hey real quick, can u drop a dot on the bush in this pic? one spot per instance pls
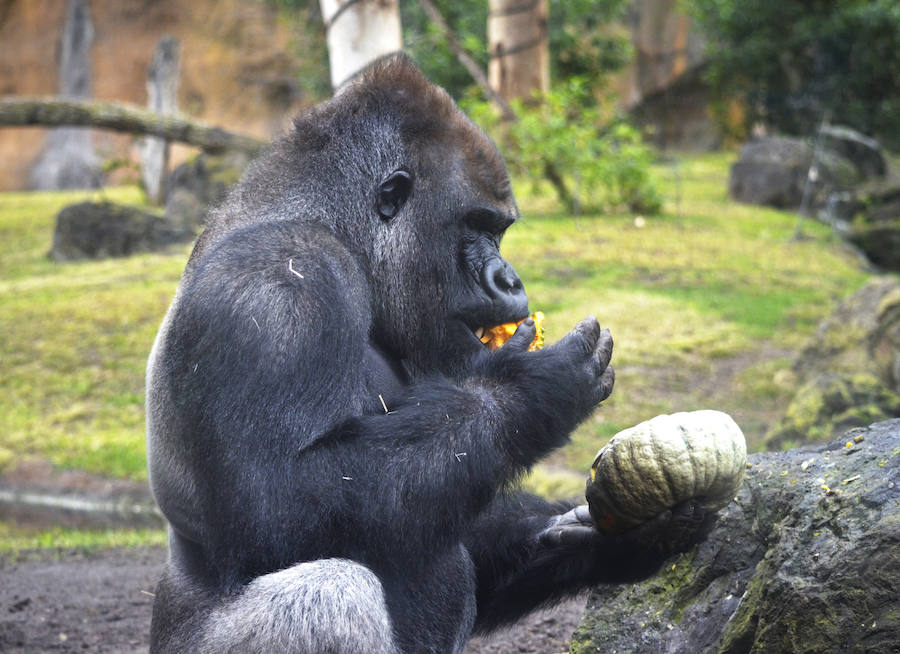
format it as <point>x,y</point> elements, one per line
<point>595,160</point>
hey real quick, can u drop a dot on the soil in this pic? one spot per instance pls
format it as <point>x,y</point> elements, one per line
<point>67,602</point>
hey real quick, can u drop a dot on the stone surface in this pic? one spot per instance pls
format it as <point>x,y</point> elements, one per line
<point>876,229</point>
<point>773,171</point>
<point>807,559</point>
<point>830,404</point>
<point>848,373</point>
<point>200,184</point>
<point>861,336</point>
<point>97,230</point>
<point>863,152</point>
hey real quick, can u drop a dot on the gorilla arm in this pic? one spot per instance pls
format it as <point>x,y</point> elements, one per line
<point>530,553</point>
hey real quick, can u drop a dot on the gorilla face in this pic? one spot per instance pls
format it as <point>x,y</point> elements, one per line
<point>452,195</point>
<point>437,203</point>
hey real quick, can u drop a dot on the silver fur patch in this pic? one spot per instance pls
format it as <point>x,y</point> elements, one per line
<point>331,606</point>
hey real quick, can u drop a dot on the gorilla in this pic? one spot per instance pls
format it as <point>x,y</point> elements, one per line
<point>335,450</point>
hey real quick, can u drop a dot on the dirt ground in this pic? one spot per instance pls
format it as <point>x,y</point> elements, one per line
<point>69,602</point>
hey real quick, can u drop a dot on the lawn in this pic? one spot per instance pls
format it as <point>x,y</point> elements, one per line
<point>706,302</point>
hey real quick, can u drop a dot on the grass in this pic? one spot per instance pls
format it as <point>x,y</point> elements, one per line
<point>706,303</point>
<point>14,539</point>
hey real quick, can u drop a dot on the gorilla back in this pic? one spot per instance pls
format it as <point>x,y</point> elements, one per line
<point>331,443</point>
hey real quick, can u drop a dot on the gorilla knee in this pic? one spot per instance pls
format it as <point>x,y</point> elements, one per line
<point>331,606</point>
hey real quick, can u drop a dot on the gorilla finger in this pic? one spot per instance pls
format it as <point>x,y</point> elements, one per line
<point>584,336</point>
<point>523,336</point>
<point>572,535</point>
<point>604,349</point>
<point>607,381</point>
<point>580,516</point>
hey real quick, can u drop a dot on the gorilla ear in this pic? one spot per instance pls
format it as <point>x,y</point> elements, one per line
<point>393,193</point>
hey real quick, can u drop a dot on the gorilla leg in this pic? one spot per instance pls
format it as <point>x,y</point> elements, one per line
<point>330,606</point>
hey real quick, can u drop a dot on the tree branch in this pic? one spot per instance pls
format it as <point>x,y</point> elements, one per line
<point>434,15</point>
<point>57,112</point>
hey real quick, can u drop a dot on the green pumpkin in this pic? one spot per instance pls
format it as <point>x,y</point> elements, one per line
<point>653,466</point>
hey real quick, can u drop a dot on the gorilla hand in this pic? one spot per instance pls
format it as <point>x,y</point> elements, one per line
<point>634,554</point>
<point>589,349</point>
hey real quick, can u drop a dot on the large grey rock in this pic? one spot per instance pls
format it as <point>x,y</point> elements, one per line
<point>773,171</point>
<point>200,184</point>
<point>863,152</point>
<point>876,229</point>
<point>807,559</point>
<point>97,230</point>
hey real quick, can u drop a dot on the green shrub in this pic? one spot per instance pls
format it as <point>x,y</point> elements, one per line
<point>596,160</point>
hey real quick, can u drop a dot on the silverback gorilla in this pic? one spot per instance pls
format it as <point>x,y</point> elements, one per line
<point>333,447</point>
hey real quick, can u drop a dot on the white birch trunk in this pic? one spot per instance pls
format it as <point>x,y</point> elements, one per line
<point>517,41</point>
<point>357,33</point>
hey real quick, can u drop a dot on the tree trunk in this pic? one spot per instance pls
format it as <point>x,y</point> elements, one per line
<point>55,112</point>
<point>68,159</point>
<point>517,40</point>
<point>434,15</point>
<point>358,32</point>
<point>162,91</point>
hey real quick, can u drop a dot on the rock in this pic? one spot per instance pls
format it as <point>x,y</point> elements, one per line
<point>92,230</point>
<point>884,341</point>
<point>849,371</point>
<point>829,405</point>
<point>199,184</point>
<point>876,229</point>
<point>807,559</point>
<point>863,152</point>
<point>773,171</point>
<point>842,342</point>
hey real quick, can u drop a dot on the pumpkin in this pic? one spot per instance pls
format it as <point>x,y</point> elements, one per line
<point>653,466</point>
<point>496,337</point>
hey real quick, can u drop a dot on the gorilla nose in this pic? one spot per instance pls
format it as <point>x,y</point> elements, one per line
<point>503,286</point>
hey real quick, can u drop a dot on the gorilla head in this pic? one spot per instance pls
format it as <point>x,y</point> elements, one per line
<point>422,199</point>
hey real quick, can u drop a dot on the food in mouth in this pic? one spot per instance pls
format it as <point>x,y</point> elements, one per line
<point>496,337</point>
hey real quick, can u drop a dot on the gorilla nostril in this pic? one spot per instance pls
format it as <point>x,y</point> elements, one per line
<point>501,279</point>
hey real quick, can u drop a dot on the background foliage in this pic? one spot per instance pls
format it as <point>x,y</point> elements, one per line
<point>790,62</point>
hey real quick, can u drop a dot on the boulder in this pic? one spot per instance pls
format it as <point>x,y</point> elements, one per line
<point>849,371</point>
<point>844,341</point>
<point>199,184</point>
<point>829,405</point>
<point>806,559</point>
<point>876,228</point>
<point>883,341</point>
<point>773,171</point>
<point>863,152</point>
<point>97,230</point>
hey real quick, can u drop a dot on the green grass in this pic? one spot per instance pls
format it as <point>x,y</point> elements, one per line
<point>74,340</point>
<point>705,303</point>
<point>14,540</point>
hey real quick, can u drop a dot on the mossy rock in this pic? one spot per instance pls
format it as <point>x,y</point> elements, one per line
<point>830,404</point>
<point>884,340</point>
<point>851,340</point>
<point>804,560</point>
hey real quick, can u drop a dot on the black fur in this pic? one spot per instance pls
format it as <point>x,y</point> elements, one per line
<point>316,391</point>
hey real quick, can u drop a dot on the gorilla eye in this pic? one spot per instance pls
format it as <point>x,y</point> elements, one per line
<point>393,193</point>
